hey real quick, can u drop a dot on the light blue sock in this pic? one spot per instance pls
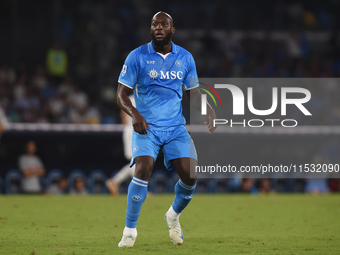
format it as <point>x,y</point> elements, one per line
<point>137,192</point>
<point>183,195</point>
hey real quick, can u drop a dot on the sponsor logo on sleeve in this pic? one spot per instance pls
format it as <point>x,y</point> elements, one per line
<point>124,70</point>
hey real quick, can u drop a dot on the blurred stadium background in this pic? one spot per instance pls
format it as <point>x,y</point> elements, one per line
<point>69,108</point>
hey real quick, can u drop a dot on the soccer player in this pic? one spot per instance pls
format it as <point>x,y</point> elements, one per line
<point>157,72</point>
<point>127,171</point>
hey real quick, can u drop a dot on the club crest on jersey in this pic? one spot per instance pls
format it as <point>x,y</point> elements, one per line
<point>153,74</point>
<point>178,63</point>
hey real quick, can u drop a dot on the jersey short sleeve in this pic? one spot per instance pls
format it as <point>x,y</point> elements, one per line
<point>129,74</point>
<point>191,80</point>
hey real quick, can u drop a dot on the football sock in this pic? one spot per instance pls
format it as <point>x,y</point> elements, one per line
<point>172,214</point>
<point>125,173</point>
<point>137,192</point>
<point>132,231</point>
<point>182,198</point>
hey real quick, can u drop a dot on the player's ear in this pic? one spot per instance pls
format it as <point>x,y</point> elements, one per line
<point>173,29</point>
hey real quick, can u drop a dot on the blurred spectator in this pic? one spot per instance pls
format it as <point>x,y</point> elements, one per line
<point>334,185</point>
<point>39,80</point>
<point>57,63</point>
<point>247,186</point>
<point>29,105</point>
<point>58,188</point>
<point>32,169</point>
<point>126,171</point>
<point>293,45</point>
<point>76,115</point>
<point>57,107</point>
<point>265,186</point>
<point>316,186</point>
<point>92,115</point>
<point>66,87</point>
<point>79,187</point>
<point>78,98</point>
<point>3,121</point>
<point>39,102</point>
<point>20,87</point>
<point>327,154</point>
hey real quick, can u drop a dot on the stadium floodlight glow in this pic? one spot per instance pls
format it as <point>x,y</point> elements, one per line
<point>238,100</point>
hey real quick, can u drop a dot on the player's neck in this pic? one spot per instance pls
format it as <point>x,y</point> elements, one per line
<point>163,49</point>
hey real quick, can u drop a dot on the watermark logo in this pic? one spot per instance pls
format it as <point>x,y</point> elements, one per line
<point>204,97</point>
<point>238,107</point>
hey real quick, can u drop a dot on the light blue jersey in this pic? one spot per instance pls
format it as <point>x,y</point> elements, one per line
<point>157,81</point>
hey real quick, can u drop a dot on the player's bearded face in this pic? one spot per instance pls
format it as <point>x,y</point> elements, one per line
<point>161,43</point>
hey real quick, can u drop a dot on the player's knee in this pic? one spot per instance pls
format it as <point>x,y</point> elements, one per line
<point>143,175</point>
<point>143,172</point>
<point>144,166</point>
<point>189,181</point>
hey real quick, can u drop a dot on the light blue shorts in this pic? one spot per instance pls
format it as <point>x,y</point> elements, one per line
<point>174,144</point>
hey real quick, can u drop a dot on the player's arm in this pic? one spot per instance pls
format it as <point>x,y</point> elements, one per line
<point>28,171</point>
<point>40,171</point>
<point>2,128</point>
<point>138,122</point>
<point>123,117</point>
<point>195,98</point>
<point>33,172</point>
<point>36,171</point>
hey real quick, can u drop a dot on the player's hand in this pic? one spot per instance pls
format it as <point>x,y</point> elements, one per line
<point>209,119</point>
<point>139,123</point>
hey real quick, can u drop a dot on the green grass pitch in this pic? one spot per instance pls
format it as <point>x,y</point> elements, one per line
<point>212,224</point>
